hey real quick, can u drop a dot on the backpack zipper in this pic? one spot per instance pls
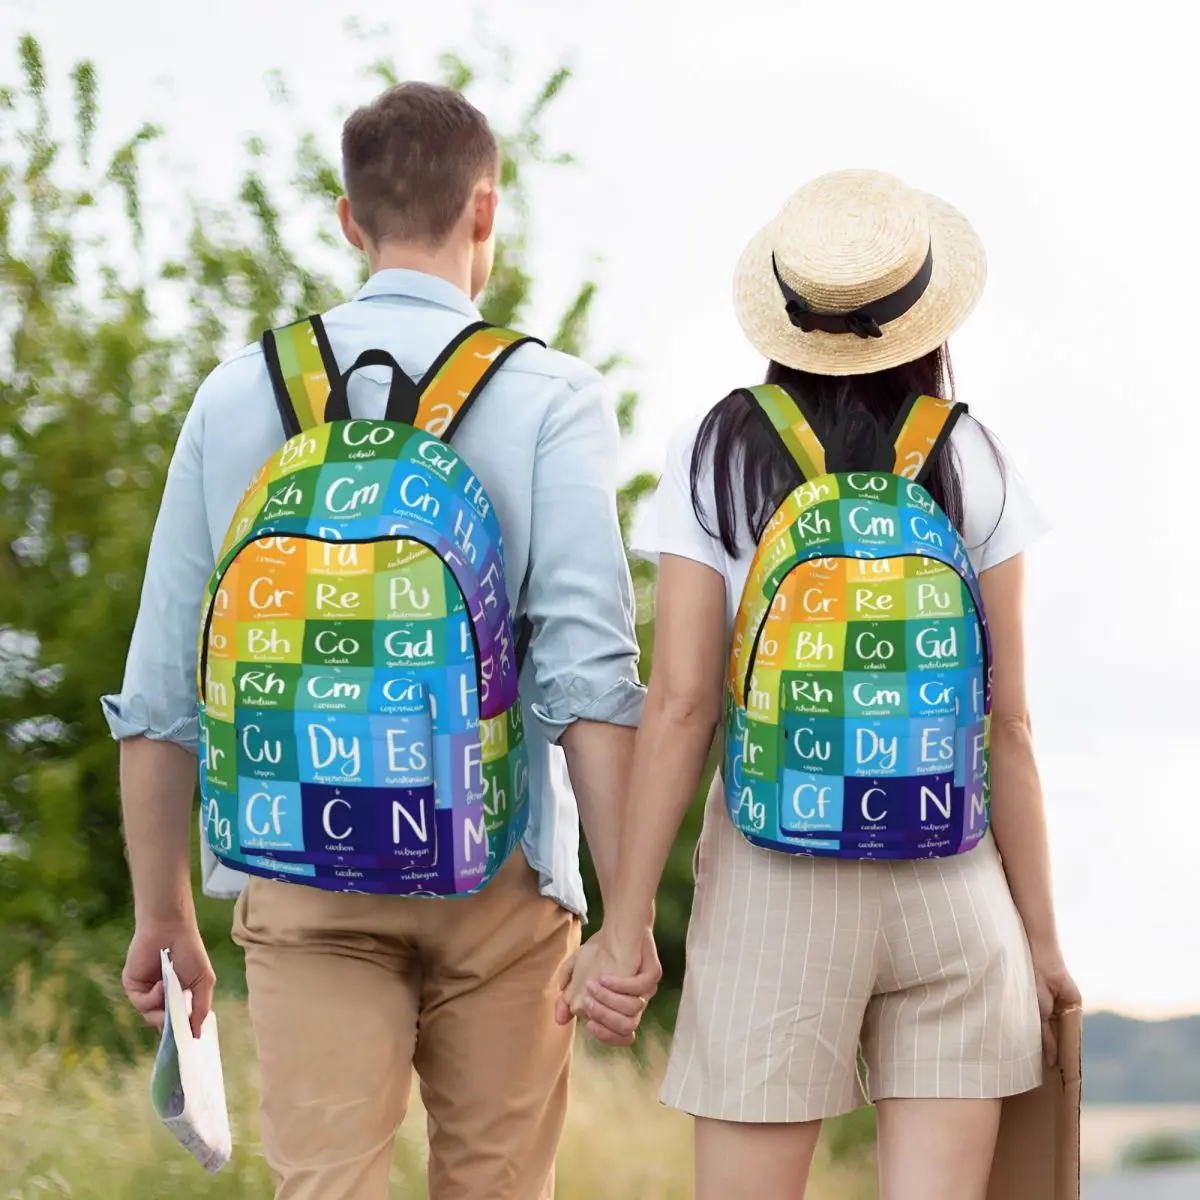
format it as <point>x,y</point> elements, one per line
<point>304,537</point>
<point>987,649</point>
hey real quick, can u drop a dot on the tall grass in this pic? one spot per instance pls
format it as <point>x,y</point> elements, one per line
<point>76,1123</point>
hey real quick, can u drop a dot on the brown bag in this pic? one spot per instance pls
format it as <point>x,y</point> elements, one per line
<point>1037,1154</point>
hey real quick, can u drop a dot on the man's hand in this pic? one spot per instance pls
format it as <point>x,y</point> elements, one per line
<point>142,977</point>
<point>157,782</point>
<point>612,995</point>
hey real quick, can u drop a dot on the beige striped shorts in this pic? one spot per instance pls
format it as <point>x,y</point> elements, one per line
<point>797,965</point>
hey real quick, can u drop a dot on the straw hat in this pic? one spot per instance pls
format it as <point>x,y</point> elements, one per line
<point>858,273</point>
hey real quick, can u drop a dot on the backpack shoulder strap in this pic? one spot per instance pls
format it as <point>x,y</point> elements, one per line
<point>300,363</point>
<point>460,373</point>
<point>922,429</point>
<point>784,414</point>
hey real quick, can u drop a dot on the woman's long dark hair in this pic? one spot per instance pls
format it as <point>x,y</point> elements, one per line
<point>851,415</point>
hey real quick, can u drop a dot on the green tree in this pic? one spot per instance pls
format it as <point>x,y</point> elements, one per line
<point>1162,1149</point>
<point>93,385</point>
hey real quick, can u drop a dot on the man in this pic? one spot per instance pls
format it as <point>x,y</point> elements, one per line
<point>349,992</point>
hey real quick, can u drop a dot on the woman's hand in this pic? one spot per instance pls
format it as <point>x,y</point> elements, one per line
<point>1056,993</point>
<point>610,987</point>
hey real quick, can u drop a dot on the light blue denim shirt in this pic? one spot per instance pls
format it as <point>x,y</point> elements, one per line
<point>544,441</point>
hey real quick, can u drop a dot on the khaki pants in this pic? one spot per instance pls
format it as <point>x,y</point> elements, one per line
<point>348,993</point>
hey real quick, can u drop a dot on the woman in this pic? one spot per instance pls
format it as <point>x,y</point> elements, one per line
<point>937,961</point>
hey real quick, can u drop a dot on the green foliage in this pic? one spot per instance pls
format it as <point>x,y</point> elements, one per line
<point>88,392</point>
<point>1162,1149</point>
<point>850,1138</point>
<point>84,79</point>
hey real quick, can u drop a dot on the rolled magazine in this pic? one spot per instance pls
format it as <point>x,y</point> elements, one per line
<point>187,1087</point>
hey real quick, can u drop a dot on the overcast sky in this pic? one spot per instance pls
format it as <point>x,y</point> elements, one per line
<point>1068,138</point>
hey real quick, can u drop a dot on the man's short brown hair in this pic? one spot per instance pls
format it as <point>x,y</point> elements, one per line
<point>410,159</point>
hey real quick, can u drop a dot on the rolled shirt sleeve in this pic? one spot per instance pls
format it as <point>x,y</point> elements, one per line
<point>158,697</point>
<point>579,595</point>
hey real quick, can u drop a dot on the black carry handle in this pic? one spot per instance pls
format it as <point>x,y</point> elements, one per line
<point>524,637</point>
<point>403,395</point>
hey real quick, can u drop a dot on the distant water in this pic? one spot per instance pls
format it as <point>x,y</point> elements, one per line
<point>1160,1183</point>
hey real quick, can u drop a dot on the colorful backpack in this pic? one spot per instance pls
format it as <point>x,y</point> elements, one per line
<point>360,725</point>
<point>858,698</point>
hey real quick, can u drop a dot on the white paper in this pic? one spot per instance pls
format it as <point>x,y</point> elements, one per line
<point>187,1087</point>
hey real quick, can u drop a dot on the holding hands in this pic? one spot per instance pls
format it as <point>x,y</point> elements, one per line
<point>609,986</point>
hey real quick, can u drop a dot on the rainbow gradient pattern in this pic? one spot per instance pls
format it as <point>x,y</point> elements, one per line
<point>360,723</point>
<point>858,705</point>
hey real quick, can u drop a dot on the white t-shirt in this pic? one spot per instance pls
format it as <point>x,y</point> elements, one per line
<point>1000,518</point>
